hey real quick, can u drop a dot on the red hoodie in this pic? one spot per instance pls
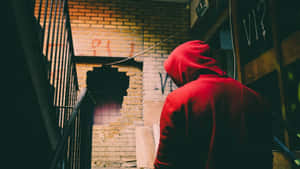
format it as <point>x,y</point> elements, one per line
<point>211,121</point>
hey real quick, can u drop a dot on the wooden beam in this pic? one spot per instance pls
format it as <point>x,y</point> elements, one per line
<point>106,60</point>
<point>266,63</point>
<point>260,67</point>
<point>291,48</point>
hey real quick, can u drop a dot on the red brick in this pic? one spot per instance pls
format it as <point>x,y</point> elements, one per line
<point>110,26</point>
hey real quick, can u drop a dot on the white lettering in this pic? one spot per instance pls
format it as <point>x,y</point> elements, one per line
<point>255,25</point>
<point>247,31</point>
<point>255,16</point>
<point>262,6</point>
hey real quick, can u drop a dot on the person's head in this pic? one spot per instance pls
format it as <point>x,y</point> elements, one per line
<point>189,60</point>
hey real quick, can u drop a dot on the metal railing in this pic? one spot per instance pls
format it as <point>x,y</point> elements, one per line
<point>57,50</point>
<point>288,153</point>
<point>68,153</point>
<point>56,42</point>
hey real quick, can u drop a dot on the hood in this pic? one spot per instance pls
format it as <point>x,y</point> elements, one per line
<point>189,60</point>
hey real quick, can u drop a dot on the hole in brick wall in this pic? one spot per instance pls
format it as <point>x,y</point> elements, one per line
<point>108,87</point>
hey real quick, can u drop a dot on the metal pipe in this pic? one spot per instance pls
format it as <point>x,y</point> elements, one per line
<point>75,123</point>
<point>60,97</point>
<point>69,28</point>
<point>67,130</point>
<point>69,66</point>
<point>40,10</point>
<point>62,101</point>
<point>77,141</point>
<point>64,81</point>
<point>61,64</point>
<point>52,46</point>
<point>74,142</point>
<point>70,92</point>
<point>72,145</point>
<point>48,34</point>
<point>43,26</point>
<point>77,119</point>
<point>76,78</point>
<point>68,153</point>
<point>56,59</point>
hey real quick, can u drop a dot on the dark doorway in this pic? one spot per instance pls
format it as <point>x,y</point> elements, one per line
<point>108,87</point>
<point>268,87</point>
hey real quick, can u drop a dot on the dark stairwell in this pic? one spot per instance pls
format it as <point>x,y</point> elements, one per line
<point>45,125</point>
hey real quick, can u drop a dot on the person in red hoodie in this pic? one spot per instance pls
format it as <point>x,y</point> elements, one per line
<point>211,121</point>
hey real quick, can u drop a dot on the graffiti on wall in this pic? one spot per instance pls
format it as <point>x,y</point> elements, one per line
<point>131,49</point>
<point>255,22</point>
<point>96,43</point>
<point>253,29</point>
<point>163,83</point>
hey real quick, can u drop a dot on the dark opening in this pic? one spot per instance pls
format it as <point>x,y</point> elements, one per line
<point>268,87</point>
<point>108,87</point>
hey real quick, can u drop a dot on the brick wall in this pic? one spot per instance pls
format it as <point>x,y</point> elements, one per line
<point>114,142</point>
<point>123,29</point>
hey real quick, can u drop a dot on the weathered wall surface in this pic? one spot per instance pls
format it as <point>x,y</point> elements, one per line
<point>123,29</point>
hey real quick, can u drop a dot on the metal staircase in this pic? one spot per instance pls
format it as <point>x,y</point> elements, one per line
<point>53,124</point>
